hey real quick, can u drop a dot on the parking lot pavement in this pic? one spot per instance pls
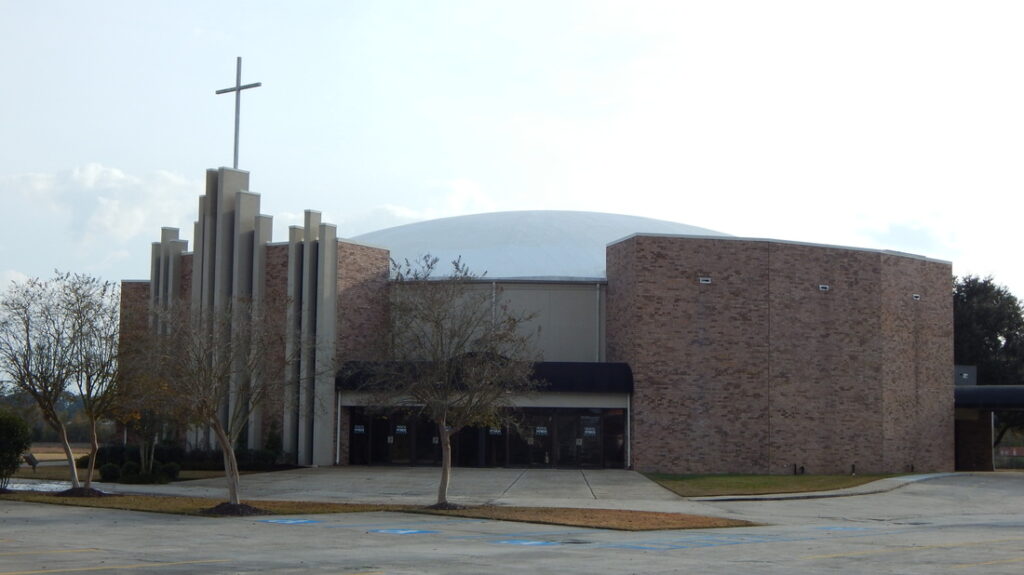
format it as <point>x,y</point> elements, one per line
<point>959,524</point>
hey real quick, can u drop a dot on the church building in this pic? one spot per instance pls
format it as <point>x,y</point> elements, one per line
<point>664,347</point>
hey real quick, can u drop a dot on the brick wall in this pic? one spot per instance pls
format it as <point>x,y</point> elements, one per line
<point>362,309</point>
<point>134,309</point>
<point>185,285</point>
<point>362,301</point>
<point>761,370</point>
<point>275,286</point>
<point>917,394</point>
<point>825,359</point>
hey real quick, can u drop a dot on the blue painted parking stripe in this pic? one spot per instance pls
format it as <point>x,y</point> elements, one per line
<point>399,524</point>
<point>526,542</point>
<point>401,531</point>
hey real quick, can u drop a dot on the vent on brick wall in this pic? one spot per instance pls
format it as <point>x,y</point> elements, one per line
<point>823,287</point>
<point>705,279</point>
<point>917,297</point>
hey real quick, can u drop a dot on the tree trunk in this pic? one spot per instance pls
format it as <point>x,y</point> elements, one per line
<point>230,462</point>
<point>147,453</point>
<point>446,463</point>
<point>70,454</point>
<point>94,447</point>
<point>144,466</point>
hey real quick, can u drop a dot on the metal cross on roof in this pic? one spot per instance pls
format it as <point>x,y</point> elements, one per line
<point>237,89</point>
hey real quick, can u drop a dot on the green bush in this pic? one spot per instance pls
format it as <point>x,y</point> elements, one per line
<point>170,470</point>
<point>170,452</point>
<point>130,469</point>
<point>145,478</point>
<point>15,439</point>
<point>110,472</point>
<point>255,459</point>
<point>116,453</point>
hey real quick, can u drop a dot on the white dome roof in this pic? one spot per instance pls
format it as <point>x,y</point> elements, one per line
<point>527,244</point>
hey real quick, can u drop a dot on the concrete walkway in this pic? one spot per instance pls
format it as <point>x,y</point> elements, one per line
<point>599,488</point>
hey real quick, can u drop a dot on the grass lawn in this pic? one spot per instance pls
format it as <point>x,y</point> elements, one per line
<point>55,452</point>
<point>593,518</point>
<point>711,485</point>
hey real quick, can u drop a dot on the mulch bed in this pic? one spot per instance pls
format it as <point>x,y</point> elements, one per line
<point>81,492</point>
<point>234,510</point>
<point>446,506</point>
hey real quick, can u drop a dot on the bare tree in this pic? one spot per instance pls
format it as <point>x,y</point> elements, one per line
<point>459,355</point>
<point>37,350</point>
<point>219,367</point>
<point>92,307</point>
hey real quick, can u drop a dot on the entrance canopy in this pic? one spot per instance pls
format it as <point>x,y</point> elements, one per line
<point>989,397</point>
<point>555,376</point>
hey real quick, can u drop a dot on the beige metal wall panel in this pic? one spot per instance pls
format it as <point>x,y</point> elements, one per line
<point>568,318</point>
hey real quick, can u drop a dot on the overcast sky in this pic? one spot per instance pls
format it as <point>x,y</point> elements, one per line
<point>894,124</point>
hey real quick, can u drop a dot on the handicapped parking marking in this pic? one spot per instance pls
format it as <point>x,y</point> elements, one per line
<point>289,521</point>
<point>402,531</point>
<point>526,542</point>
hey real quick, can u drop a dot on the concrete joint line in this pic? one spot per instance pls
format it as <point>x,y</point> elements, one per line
<point>587,481</point>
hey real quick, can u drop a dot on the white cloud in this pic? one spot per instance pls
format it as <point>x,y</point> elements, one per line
<point>8,276</point>
<point>92,218</point>
<point>458,196</point>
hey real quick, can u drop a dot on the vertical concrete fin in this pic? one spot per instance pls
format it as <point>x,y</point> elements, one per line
<point>324,345</point>
<point>175,248</point>
<point>209,210</point>
<point>247,206</point>
<point>230,183</point>
<point>262,233</point>
<point>290,423</point>
<point>307,339</point>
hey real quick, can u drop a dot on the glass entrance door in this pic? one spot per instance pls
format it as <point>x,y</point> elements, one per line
<point>539,432</point>
<point>590,450</point>
<point>568,439</point>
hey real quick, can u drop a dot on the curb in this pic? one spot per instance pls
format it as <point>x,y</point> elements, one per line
<point>892,484</point>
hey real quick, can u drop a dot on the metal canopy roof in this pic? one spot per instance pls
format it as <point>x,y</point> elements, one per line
<point>989,397</point>
<point>556,376</point>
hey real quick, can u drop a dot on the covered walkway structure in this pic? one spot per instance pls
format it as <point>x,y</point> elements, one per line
<point>975,405</point>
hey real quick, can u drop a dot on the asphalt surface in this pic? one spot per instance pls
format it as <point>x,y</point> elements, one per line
<point>962,523</point>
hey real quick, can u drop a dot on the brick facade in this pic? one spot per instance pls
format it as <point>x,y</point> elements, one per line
<point>363,274</point>
<point>763,369</point>
<point>362,314</point>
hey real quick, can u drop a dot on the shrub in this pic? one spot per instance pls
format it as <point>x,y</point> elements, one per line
<point>170,452</point>
<point>110,472</point>
<point>116,453</point>
<point>256,459</point>
<point>15,439</point>
<point>111,453</point>
<point>130,469</point>
<point>204,459</point>
<point>145,478</point>
<point>170,470</point>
